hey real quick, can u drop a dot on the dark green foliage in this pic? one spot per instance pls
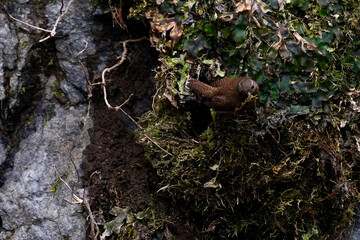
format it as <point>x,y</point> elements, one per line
<point>291,171</point>
<point>314,45</point>
<point>292,181</point>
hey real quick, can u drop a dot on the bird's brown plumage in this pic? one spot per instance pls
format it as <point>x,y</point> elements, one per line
<point>225,94</point>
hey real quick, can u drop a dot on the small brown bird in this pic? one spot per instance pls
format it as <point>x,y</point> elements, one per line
<point>225,94</point>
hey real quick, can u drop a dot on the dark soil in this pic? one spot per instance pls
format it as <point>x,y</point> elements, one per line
<point>125,177</point>
<point>113,150</point>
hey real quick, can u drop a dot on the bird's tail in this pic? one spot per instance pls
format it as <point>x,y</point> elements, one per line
<point>200,88</point>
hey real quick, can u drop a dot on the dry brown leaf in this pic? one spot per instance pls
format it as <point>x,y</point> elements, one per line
<point>256,21</point>
<point>300,39</point>
<point>175,35</point>
<point>260,7</point>
<point>243,6</point>
<point>303,42</point>
<point>160,25</point>
<point>281,37</point>
<point>117,16</point>
<point>171,99</point>
<point>227,16</point>
<point>281,4</point>
<point>282,164</point>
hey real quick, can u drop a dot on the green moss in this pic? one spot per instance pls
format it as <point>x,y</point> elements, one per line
<point>55,88</point>
<point>46,120</point>
<point>95,3</point>
<point>55,186</point>
<point>57,183</point>
<point>288,170</point>
<point>30,120</point>
<point>129,234</point>
<point>290,181</point>
<point>23,44</point>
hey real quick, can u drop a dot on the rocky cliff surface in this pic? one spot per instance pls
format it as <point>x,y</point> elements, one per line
<point>45,118</point>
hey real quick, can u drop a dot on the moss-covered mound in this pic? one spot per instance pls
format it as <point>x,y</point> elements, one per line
<point>295,180</point>
<point>288,166</point>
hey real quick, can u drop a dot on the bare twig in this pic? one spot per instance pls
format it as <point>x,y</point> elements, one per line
<point>153,101</point>
<point>85,48</point>
<point>92,220</point>
<point>73,196</point>
<point>62,6</point>
<point>122,58</point>
<point>20,21</point>
<point>83,67</point>
<point>77,173</point>
<point>83,201</point>
<point>93,223</point>
<point>103,83</point>
<point>51,32</point>
<point>106,70</point>
<point>140,127</point>
<point>117,15</point>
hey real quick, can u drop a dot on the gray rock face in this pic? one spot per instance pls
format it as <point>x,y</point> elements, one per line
<point>74,31</point>
<point>40,133</point>
<point>8,46</point>
<point>31,204</point>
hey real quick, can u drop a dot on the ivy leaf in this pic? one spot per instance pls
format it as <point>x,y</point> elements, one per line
<point>321,96</point>
<point>285,84</point>
<point>259,77</point>
<point>356,66</point>
<point>285,54</point>
<point>209,29</point>
<point>115,225</point>
<point>327,37</point>
<point>323,3</point>
<point>190,4</point>
<point>305,87</point>
<point>193,46</point>
<point>299,110</point>
<point>239,35</point>
<point>256,65</point>
<point>263,97</point>
<point>274,92</point>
